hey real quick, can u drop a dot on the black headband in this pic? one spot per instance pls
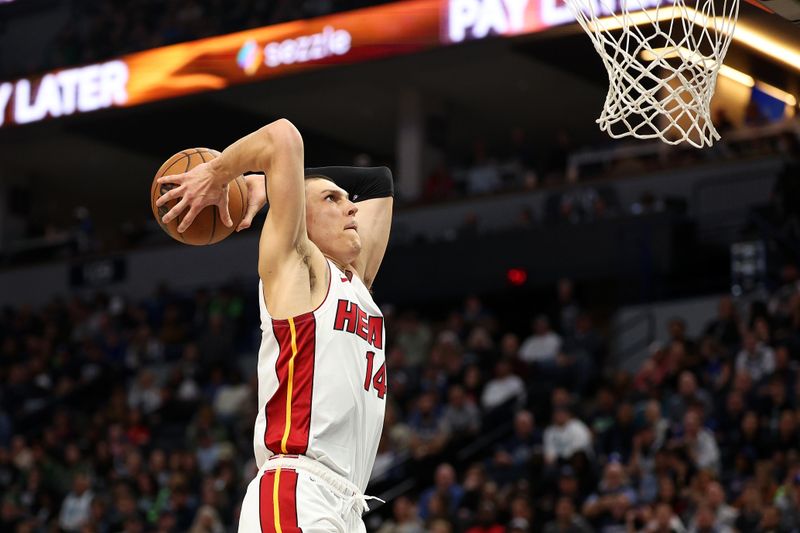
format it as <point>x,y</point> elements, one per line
<point>362,183</point>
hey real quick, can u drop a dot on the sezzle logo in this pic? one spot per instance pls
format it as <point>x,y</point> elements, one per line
<point>328,42</point>
<point>249,57</point>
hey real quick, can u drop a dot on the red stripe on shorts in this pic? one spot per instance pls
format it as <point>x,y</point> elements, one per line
<point>287,502</point>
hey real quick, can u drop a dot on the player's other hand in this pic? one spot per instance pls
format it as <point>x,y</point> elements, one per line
<point>196,190</point>
<point>256,198</point>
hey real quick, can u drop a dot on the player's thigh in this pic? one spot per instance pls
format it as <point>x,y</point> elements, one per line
<point>288,502</point>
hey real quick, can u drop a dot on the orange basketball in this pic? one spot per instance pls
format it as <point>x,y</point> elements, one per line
<point>207,227</point>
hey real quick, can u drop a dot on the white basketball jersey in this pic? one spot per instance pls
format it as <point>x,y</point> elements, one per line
<point>322,381</point>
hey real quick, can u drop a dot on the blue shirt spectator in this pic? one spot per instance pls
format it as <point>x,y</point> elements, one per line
<point>445,486</point>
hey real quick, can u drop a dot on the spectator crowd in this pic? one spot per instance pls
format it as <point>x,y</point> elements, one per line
<point>31,234</point>
<point>135,416</point>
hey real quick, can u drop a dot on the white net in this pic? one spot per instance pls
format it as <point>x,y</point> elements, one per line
<point>662,62</point>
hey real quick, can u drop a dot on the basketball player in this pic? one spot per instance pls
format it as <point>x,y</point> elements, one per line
<point>322,380</point>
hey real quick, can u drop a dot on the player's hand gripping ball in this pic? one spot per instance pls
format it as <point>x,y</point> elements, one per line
<point>208,226</point>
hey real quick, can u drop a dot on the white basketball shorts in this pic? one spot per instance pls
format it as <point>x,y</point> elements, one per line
<point>294,494</point>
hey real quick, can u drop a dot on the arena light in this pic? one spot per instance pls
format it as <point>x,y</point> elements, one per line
<point>687,55</point>
<point>762,42</point>
<point>671,53</point>
<point>639,18</point>
<point>517,276</point>
<point>744,33</point>
<point>737,76</point>
<point>725,70</point>
<point>787,98</point>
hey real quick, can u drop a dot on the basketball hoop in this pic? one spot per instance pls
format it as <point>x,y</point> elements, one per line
<point>662,63</point>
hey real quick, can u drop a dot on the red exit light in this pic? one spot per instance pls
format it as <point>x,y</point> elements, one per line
<point>517,276</point>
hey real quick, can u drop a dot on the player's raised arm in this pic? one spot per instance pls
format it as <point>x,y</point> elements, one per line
<point>372,189</point>
<point>277,150</point>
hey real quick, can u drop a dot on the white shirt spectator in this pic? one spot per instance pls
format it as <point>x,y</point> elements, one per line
<point>726,516</point>
<point>145,393</point>
<point>700,442</point>
<point>705,451</point>
<point>75,510</point>
<point>718,529</point>
<point>414,338</point>
<point>483,178</point>
<point>759,362</point>
<point>540,348</point>
<point>231,399</point>
<point>207,520</point>
<point>563,441</point>
<point>675,526</point>
<point>188,390</point>
<point>464,418</point>
<point>501,389</point>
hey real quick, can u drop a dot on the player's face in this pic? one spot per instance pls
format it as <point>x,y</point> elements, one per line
<point>331,220</point>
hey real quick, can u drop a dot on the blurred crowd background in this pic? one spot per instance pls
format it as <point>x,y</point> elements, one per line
<point>33,233</point>
<point>136,416</point>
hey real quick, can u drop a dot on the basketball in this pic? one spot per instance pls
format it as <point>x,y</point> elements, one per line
<point>207,227</point>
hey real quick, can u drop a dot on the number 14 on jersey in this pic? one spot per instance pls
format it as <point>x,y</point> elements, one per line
<point>378,380</point>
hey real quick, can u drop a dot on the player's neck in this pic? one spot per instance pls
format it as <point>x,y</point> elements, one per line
<point>340,265</point>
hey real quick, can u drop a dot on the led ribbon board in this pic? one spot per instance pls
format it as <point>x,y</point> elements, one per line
<point>280,50</point>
